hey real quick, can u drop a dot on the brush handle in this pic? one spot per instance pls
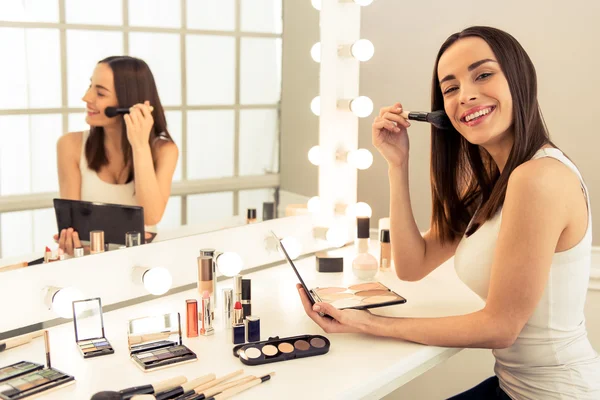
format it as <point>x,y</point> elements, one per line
<point>143,397</point>
<point>202,388</point>
<point>221,388</point>
<point>197,382</point>
<point>7,268</point>
<point>18,341</point>
<point>169,384</point>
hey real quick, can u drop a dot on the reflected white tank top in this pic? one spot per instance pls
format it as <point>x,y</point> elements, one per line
<point>552,357</point>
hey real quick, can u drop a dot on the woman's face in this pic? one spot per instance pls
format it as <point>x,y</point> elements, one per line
<point>476,95</point>
<point>101,94</point>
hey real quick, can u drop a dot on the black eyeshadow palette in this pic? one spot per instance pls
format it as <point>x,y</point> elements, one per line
<point>163,356</point>
<point>276,349</point>
<point>25,379</point>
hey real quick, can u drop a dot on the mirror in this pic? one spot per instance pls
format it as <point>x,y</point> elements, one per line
<point>219,83</point>
<point>87,318</point>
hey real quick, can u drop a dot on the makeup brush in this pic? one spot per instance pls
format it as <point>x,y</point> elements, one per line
<point>186,387</point>
<point>128,393</point>
<point>208,393</point>
<point>19,340</point>
<point>200,390</point>
<point>438,118</point>
<point>114,111</point>
<point>238,389</point>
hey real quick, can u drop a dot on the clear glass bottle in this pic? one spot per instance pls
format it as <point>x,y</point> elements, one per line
<point>364,264</point>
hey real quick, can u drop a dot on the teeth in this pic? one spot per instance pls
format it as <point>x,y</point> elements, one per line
<point>478,114</point>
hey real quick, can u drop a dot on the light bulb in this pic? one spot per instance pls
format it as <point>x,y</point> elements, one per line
<point>315,105</point>
<point>314,155</point>
<point>316,4</point>
<point>315,52</point>
<point>337,236</point>
<point>62,301</point>
<point>229,263</point>
<point>157,280</point>
<point>363,50</point>
<point>363,3</point>
<point>360,159</point>
<point>362,209</point>
<point>292,247</point>
<point>314,204</point>
<point>361,106</point>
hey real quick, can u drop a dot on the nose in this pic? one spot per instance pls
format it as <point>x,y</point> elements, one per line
<point>468,93</point>
<point>87,97</point>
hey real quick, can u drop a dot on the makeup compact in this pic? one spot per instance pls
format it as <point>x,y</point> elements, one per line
<point>358,297</point>
<point>156,343</point>
<point>25,378</point>
<point>276,349</point>
<point>89,328</point>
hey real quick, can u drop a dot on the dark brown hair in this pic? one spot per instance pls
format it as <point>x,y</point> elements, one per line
<point>134,83</point>
<point>466,182</point>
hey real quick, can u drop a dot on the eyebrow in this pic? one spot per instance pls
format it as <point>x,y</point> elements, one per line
<point>469,68</point>
<point>100,86</point>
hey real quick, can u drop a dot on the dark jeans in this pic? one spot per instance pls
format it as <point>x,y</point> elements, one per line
<point>488,389</point>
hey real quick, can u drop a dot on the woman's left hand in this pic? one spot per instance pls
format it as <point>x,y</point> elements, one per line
<point>341,321</point>
<point>139,124</point>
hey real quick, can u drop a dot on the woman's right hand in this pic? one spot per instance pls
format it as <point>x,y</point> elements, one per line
<point>68,240</point>
<point>390,136</point>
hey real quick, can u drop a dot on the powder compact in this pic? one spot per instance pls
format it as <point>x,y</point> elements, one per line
<point>89,328</point>
<point>25,378</point>
<point>156,343</point>
<point>358,297</point>
<point>276,349</point>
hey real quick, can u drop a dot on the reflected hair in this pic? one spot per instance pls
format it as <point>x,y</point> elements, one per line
<point>466,184</point>
<point>134,83</point>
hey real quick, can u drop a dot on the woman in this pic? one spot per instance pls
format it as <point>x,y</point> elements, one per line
<point>511,208</point>
<point>127,159</point>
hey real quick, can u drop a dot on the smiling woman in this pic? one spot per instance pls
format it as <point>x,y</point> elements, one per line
<point>125,159</point>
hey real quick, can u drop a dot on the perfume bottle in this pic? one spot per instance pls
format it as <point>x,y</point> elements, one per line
<point>364,264</point>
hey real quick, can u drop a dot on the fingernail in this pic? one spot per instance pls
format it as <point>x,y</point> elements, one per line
<point>399,109</point>
<point>317,307</point>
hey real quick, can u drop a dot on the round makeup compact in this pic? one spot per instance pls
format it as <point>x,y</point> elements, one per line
<point>276,349</point>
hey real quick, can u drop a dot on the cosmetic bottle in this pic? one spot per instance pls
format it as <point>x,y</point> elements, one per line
<point>364,264</point>
<point>385,256</point>
<point>251,216</point>
<point>205,275</point>
<point>207,328</point>
<point>96,242</point>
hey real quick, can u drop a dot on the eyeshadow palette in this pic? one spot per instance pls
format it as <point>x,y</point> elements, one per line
<point>29,383</point>
<point>152,354</point>
<point>360,296</point>
<point>95,347</point>
<point>276,349</point>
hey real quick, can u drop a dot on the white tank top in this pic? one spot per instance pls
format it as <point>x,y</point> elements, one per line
<point>552,357</point>
<point>95,189</point>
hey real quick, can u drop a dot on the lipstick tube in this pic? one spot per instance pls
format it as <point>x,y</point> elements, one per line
<point>207,328</point>
<point>191,315</point>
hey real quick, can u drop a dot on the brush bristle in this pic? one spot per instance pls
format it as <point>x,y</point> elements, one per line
<point>107,396</point>
<point>439,119</point>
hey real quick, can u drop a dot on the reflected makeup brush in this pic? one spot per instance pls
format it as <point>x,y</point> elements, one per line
<point>114,111</point>
<point>238,389</point>
<point>438,118</point>
<point>128,393</point>
<point>18,341</point>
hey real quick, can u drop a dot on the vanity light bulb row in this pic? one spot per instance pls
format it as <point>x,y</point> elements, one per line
<point>359,159</point>
<point>361,106</point>
<point>362,50</point>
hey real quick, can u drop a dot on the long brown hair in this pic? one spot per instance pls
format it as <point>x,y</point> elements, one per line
<point>134,83</point>
<point>466,182</point>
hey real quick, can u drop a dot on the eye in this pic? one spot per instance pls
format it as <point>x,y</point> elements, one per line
<point>450,89</point>
<point>100,94</point>
<point>484,75</point>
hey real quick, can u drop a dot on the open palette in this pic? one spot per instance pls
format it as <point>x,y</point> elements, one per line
<point>25,379</point>
<point>358,297</point>
<point>89,328</point>
<point>152,353</point>
<point>276,349</point>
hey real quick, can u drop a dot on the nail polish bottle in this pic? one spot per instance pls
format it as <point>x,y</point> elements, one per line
<point>364,264</point>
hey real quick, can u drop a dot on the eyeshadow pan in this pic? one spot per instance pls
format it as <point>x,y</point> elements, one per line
<point>368,293</point>
<point>253,352</point>
<point>336,296</point>
<point>330,290</point>
<point>317,342</point>
<point>4,388</point>
<point>269,350</point>
<point>302,345</point>
<point>285,348</point>
<point>378,299</point>
<point>367,286</point>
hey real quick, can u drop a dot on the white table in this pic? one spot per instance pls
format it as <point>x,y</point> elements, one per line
<point>357,366</point>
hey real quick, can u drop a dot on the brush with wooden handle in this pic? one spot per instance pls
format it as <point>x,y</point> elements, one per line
<point>137,391</point>
<point>186,387</point>
<point>238,389</point>
<point>208,393</point>
<point>201,389</point>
